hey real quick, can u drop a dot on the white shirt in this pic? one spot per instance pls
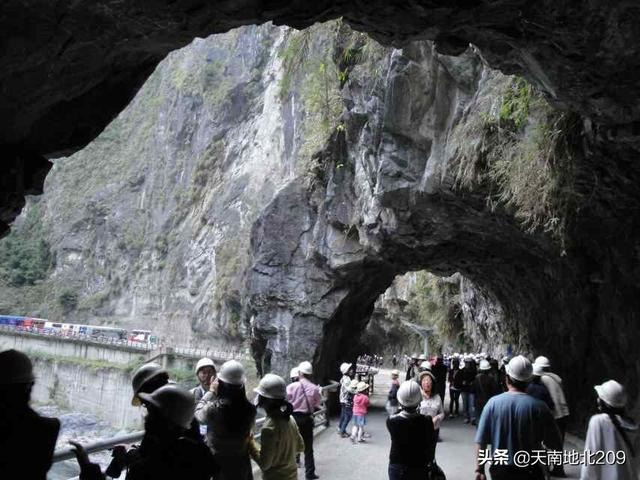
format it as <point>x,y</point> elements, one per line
<point>554,384</point>
<point>603,436</point>
<point>433,407</point>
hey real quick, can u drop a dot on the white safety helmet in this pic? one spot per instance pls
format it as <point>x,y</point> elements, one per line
<point>142,375</point>
<point>612,393</point>
<point>272,386</point>
<point>294,373</point>
<point>484,365</point>
<point>173,402</point>
<point>204,362</point>
<point>344,368</point>
<point>395,373</point>
<point>409,394</point>
<point>519,368</point>
<point>362,386</point>
<point>426,365</point>
<point>422,357</point>
<point>305,368</point>
<point>543,361</point>
<point>15,368</point>
<point>537,370</point>
<point>232,372</point>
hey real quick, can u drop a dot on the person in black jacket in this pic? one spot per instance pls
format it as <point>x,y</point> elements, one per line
<point>455,385</point>
<point>538,389</point>
<point>440,372</point>
<point>484,386</point>
<point>27,440</point>
<point>413,440</point>
<point>167,451</point>
<point>468,377</point>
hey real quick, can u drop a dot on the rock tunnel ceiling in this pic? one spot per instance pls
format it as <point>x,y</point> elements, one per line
<point>406,156</point>
<point>68,69</point>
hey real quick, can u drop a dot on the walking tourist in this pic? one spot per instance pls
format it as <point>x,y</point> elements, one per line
<point>346,398</point>
<point>439,371</point>
<point>514,421</point>
<point>561,409</point>
<point>484,386</point>
<point>229,418</point>
<point>166,451</point>
<point>305,398</point>
<point>27,439</point>
<point>392,396</point>
<point>360,409</point>
<point>537,389</point>
<point>611,430</point>
<point>280,439</point>
<point>467,388</point>
<point>412,436</point>
<point>455,385</point>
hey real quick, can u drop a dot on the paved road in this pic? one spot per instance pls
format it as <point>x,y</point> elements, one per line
<point>339,459</point>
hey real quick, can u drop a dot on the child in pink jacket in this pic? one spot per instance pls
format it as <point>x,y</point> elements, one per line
<point>360,408</point>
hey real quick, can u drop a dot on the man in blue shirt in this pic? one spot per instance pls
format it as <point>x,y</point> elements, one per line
<point>512,422</point>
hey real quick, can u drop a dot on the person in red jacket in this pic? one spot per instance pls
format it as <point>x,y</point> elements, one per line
<point>360,409</point>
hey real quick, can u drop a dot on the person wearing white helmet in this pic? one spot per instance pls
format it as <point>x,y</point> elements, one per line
<point>229,417</point>
<point>413,438</point>
<point>611,430</point>
<point>166,450</point>
<point>360,409</point>
<point>514,421</point>
<point>294,374</point>
<point>205,373</point>
<point>484,387</point>
<point>537,389</point>
<point>346,398</point>
<point>27,439</point>
<point>467,389</point>
<point>280,439</point>
<point>561,409</point>
<point>146,379</point>
<point>305,397</point>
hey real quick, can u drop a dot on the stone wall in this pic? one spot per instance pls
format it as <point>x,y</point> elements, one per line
<point>102,391</point>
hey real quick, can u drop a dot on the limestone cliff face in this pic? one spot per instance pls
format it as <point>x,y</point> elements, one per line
<point>149,225</point>
<point>441,163</point>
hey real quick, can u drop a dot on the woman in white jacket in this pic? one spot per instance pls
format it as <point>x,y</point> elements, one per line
<point>610,436</point>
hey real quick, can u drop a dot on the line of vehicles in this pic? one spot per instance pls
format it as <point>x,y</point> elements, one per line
<point>97,332</point>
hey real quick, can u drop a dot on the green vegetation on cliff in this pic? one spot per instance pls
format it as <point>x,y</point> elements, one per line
<point>24,254</point>
<point>519,150</point>
<point>435,302</point>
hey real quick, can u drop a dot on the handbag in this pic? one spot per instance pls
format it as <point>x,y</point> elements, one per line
<point>434,472</point>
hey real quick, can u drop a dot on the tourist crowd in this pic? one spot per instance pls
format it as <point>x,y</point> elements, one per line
<point>208,432</point>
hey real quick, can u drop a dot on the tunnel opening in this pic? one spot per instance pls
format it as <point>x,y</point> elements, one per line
<point>396,191</point>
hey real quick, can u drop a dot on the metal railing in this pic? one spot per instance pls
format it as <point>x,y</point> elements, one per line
<point>214,353</point>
